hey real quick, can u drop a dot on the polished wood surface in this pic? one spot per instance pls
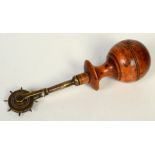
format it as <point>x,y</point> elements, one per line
<point>127,61</point>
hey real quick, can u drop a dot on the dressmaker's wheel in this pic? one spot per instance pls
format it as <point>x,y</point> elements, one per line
<point>20,106</point>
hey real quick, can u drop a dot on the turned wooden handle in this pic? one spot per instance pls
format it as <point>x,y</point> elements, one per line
<point>127,61</point>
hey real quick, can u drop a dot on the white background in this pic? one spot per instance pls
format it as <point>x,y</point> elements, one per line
<point>35,61</point>
<point>65,16</point>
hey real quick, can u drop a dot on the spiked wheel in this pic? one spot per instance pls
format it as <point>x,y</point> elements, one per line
<point>20,107</point>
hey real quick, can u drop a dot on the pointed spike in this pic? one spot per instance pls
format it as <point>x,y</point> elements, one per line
<point>5,100</point>
<point>19,113</point>
<point>30,110</point>
<point>11,92</point>
<point>35,101</point>
<point>9,110</point>
<point>21,88</point>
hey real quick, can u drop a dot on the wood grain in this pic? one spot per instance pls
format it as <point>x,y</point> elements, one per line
<point>127,61</point>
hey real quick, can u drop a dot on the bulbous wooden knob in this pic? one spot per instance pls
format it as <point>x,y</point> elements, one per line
<point>127,61</point>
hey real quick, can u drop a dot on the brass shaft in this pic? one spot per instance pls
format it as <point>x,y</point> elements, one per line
<point>60,86</point>
<point>43,92</point>
<point>76,80</point>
